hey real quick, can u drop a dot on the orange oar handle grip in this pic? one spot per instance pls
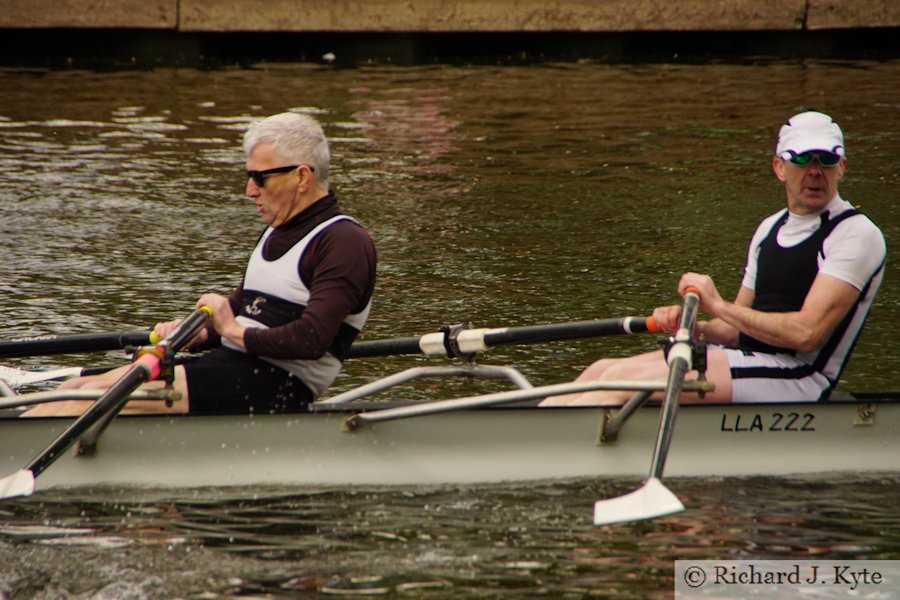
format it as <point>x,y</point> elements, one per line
<point>691,289</point>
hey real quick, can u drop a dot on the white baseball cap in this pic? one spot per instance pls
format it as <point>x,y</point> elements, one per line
<point>810,131</point>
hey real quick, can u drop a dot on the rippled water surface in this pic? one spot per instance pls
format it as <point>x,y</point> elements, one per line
<point>490,542</point>
<point>500,195</point>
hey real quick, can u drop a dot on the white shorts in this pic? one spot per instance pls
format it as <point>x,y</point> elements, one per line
<point>761,377</point>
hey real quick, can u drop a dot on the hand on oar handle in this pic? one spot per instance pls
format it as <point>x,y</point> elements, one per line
<point>703,286</point>
<point>161,330</point>
<point>668,318</point>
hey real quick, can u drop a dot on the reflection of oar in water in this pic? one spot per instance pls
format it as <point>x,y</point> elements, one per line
<point>443,343</point>
<point>146,368</point>
<point>654,499</point>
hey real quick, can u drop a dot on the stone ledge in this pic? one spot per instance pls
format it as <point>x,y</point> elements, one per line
<point>424,16</point>
<point>847,14</point>
<point>481,15</point>
<point>95,14</point>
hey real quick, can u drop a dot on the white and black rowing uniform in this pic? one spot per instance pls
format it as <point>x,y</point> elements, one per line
<point>786,254</point>
<point>306,294</point>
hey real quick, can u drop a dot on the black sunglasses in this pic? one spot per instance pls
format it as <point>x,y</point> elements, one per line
<point>826,159</point>
<point>259,177</point>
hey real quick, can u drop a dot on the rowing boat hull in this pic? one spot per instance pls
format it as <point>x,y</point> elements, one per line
<point>464,447</point>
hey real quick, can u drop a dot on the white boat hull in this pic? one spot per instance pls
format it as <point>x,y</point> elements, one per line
<point>463,447</point>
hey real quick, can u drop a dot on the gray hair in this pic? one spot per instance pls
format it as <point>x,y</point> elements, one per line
<point>296,139</point>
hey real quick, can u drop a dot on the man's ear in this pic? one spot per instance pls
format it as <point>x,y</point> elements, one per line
<point>778,167</point>
<point>304,180</point>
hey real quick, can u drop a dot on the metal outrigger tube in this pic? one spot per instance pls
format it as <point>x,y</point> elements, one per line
<point>614,420</point>
<point>526,391</point>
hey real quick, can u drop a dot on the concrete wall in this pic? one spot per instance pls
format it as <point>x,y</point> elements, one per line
<point>838,14</point>
<point>141,14</point>
<point>496,15</point>
<point>450,15</point>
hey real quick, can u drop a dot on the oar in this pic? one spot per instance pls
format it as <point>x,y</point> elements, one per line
<point>654,499</point>
<point>467,341</point>
<point>146,368</point>
<point>65,344</point>
<point>430,344</point>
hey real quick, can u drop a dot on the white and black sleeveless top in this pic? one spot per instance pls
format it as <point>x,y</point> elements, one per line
<point>840,242</point>
<point>274,294</point>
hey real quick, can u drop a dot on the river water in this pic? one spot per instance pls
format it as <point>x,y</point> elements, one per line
<point>499,195</point>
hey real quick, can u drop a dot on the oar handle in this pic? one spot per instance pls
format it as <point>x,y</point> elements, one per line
<point>189,324</point>
<point>188,328</point>
<point>689,309</point>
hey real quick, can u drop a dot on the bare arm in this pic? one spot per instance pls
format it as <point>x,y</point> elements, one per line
<point>715,331</point>
<point>828,301</point>
<point>719,331</point>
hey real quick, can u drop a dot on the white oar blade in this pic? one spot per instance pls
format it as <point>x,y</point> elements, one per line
<point>651,500</point>
<point>20,483</point>
<point>18,377</point>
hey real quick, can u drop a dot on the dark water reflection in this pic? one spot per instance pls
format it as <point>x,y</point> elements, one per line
<point>497,195</point>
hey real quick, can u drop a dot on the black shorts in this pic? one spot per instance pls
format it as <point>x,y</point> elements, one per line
<point>225,381</point>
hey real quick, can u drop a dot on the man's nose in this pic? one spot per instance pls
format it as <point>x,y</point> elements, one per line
<point>814,167</point>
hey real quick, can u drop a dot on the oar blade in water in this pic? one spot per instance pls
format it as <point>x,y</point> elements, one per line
<point>651,500</point>
<point>18,377</point>
<point>20,483</point>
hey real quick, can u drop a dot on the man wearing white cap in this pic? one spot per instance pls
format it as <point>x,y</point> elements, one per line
<point>811,276</point>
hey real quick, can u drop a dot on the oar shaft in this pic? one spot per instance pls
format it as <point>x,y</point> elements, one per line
<point>430,344</point>
<point>533,334</point>
<point>65,344</point>
<point>477,340</point>
<point>109,401</point>
<point>146,368</point>
<point>408,345</point>
<point>187,329</point>
<point>677,371</point>
<point>680,362</point>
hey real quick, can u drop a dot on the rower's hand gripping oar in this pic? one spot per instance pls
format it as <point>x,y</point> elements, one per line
<point>147,367</point>
<point>653,499</point>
